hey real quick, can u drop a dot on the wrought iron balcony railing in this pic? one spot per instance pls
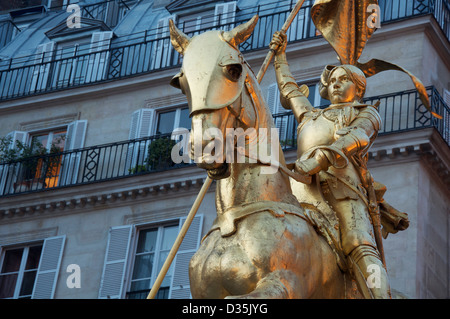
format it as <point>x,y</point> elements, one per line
<point>401,111</point>
<point>150,51</point>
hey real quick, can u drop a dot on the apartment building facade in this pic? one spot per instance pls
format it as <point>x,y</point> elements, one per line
<point>90,199</point>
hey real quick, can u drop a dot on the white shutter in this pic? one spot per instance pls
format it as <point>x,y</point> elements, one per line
<point>164,50</point>
<point>141,126</point>
<point>76,134</point>
<point>98,55</point>
<point>9,173</point>
<point>273,97</point>
<point>273,101</point>
<point>114,267</point>
<point>44,53</point>
<point>225,13</point>
<point>180,286</point>
<point>49,264</point>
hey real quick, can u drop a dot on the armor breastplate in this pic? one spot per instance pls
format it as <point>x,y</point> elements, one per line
<point>318,127</point>
<point>314,130</point>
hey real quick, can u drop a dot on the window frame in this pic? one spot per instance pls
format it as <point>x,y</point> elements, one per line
<point>157,253</point>
<point>21,272</point>
<point>176,121</point>
<point>51,180</point>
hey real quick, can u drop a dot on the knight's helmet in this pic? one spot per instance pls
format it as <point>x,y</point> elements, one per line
<point>347,26</point>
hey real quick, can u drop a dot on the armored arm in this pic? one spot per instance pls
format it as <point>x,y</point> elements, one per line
<point>292,96</point>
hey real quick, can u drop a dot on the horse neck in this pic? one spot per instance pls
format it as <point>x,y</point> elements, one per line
<point>253,182</point>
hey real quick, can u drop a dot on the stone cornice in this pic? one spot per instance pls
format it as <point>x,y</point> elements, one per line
<point>120,192</point>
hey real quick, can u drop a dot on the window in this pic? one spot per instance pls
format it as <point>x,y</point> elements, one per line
<point>71,56</point>
<point>135,255</point>
<point>168,121</point>
<point>152,249</point>
<point>48,168</point>
<point>18,271</point>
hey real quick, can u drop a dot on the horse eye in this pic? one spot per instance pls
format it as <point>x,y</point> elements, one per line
<point>234,71</point>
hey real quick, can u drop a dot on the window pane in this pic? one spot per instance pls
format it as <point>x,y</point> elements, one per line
<point>147,241</point>
<point>40,141</point>
<point>163,293</point>
<point>12,260</point>
<point>27,283</point>
<point>34,255</point>
<point>185,121</point>
<point>143,266</point>
<point>7,285</point>
<point>168,277</point>
<point>140,285</point>
<point>165,122</point>
<point>59,139</point>
<point>169,236</point>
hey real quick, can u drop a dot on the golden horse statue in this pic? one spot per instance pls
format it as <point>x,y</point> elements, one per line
<point>263,243</point>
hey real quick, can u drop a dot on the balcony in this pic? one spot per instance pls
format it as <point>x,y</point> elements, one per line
<point>151,51</point>
<point>400,112</point>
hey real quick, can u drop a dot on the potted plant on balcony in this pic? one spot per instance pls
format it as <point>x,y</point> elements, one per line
<point>159,153</point>
<point>28,164</point>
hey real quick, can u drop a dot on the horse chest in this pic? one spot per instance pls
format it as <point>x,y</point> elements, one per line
<point>233,265</point>
<point>222,267</point>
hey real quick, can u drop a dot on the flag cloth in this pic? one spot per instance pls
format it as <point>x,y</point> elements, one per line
<point>347,25</point>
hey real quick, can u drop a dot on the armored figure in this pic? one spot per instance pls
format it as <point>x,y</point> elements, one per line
<point>332,143</point>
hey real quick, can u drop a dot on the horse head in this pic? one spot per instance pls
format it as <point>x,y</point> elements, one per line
<point>221,90</point>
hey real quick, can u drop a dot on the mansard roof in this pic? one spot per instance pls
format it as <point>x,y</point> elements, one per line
<point>180,5</point>
<point>62,29</point>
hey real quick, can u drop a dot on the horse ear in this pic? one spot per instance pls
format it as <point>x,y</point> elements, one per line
<point>179,40</point>
<point>241,33</point>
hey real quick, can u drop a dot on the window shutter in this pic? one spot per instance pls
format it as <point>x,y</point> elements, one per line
<point>47,274</point>
<point>98,55</point>
<point>114,267</point>
<point>180,286</point>
<point>164,50</point>
<point>273,101</point>
<point>273,98</point>
<point>76,134</point>
<point>10,172</point>
<point>43,58</point>
<point>225,13</point>
<point>141,126</point>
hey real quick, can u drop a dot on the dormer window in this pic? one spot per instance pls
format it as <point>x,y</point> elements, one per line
<point>194,16</point>
<point>81,53</point>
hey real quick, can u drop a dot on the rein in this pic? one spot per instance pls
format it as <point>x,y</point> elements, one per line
<point>286,169</point>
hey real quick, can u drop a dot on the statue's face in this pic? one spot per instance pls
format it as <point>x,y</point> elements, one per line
<point>340,87</point>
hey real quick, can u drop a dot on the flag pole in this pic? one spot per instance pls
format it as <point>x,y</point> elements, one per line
<point>284,28</point>
<point>208,180</point>
<point>180,237</point>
